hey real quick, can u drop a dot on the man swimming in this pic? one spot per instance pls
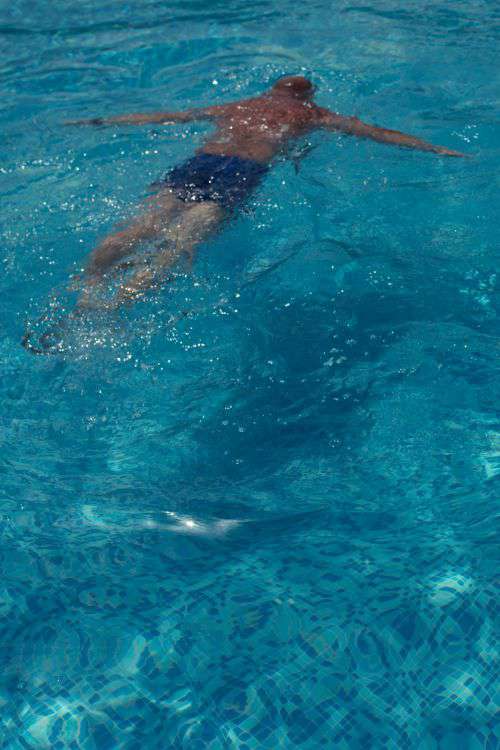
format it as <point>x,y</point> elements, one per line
<point>194,198</point>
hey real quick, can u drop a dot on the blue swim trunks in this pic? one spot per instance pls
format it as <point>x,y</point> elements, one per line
<point>228,180</point>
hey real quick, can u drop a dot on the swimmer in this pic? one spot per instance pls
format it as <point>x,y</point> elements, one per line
<point>194,199</point>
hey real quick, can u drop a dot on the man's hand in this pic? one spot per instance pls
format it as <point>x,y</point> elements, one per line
<point>449,152</point>
<point>92,121</point>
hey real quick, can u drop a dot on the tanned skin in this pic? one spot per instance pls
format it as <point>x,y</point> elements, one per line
<point>259,129</point>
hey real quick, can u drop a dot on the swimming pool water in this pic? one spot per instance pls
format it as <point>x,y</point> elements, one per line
<point>257,510</point>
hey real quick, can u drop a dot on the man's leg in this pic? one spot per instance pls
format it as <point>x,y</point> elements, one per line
<point>164,206</point>
<point>195,224</point>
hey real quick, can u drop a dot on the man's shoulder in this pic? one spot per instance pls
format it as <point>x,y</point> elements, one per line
<point>225,110</point>
<point>322,114</point>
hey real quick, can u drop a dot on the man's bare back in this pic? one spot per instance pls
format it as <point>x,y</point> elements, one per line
<point>261,128</point>
<point>196,197</point>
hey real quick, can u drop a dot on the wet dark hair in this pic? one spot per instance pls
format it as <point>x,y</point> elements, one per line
<point>297,86</point>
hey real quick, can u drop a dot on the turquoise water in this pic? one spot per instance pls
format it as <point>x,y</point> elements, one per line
<point>257,510</point>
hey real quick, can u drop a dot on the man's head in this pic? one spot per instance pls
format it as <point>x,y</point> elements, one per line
<point>296,87</point>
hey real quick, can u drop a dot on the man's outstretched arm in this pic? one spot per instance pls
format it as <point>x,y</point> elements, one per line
<point>160,118</point>
<point>353,126</point>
